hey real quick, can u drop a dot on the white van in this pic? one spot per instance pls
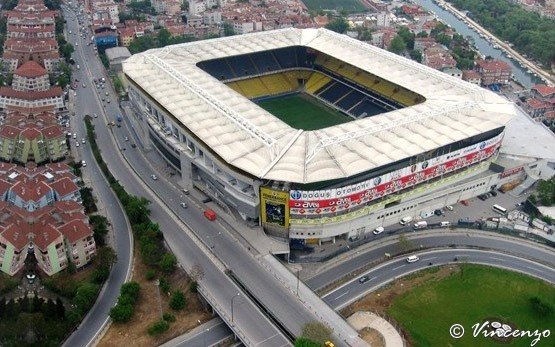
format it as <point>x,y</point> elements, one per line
<point>405,220</point>
<point>444,224</point>
<point>412,259</point>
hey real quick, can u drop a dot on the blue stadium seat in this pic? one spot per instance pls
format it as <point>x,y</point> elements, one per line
<point>217,69</point>
<point>366,109</point>
<point>350,100</point>
<point>334,92</point>
<point>265,61</point>
<point>242,66</point>
<point>287,58</point>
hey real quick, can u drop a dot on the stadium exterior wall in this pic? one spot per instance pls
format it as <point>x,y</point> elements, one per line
<point>200,168</point>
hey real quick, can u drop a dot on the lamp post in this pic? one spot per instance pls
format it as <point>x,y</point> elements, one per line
<point>232,299</point>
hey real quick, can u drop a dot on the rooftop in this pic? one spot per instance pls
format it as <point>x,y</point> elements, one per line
<point>255,141</point>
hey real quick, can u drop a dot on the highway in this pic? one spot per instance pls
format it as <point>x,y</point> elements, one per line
<point>399,267</point>
<point>249,321</point>
<point>97,317</point>
<point>435,239</point>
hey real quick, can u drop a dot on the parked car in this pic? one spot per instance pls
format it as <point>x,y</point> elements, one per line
<point>83,163</point>
<point>184,205</point>
<point>465,202</point>
<point>154,177</point>
<point>449,207</point>
<point>378,230</point>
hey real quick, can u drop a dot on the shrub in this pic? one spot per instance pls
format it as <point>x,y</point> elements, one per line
<point>131,289</point>
<point>164,285</point>
<point>193,287</point>
<point>121,313</point>
<point>178,301</point>
<point>168,317</point>
<point>168,263</point>
<point>150,274</point>
<point>541,308</point>
<point>158,327</point>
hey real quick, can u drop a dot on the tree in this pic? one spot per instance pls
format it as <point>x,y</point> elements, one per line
<point>416,55</point>
<point>121,313</point>
<point>178,301</point>
<point>304,342</point>
<point>131,289</point>
<point>85,296</point>
<point>137,209</point>
<point>67,50</point>
<point>158,327</point>
<point>60,309</point>
<point>339,25</point>
<point>408,37</point>
<point>228,29</point>
<point>164,37</point>
<point>397,45</point>
<point>317,332</point>
<point>546,191</point>
<point>422,34</point>
<point>168,263</point>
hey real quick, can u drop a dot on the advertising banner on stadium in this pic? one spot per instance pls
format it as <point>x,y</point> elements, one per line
<point>274,206</point>
<point>344,198</point>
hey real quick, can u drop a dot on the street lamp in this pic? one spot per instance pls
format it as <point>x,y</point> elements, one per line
<point>233,298</point>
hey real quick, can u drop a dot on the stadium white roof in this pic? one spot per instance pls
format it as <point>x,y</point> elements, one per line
<point>252,139</point>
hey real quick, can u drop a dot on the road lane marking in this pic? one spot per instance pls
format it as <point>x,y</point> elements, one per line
<point>398,267</point>
<point>342,295</point>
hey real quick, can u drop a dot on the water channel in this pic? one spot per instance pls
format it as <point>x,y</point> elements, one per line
<point>485,47</point>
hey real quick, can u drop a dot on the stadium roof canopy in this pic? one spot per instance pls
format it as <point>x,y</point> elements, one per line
<point>246,136</point>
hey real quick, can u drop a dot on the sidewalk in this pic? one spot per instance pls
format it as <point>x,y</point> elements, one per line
<point>361,320</point>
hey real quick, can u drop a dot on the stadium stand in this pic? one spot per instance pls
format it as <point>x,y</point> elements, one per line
<point>265,61</point>
<point>316,82</point>
<point>217,69</point>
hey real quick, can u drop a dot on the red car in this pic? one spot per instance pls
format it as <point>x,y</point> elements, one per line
<point>465,202</point>
<point>210,214</point>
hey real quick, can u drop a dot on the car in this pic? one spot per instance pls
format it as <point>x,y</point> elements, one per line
<point>465,202</point>
<point>412,259</point>
<point>126,138</point>
<point>184,205</point>
<point>95,115</point>
<point>154,177</point>
<point>185,191</point>
<point>378,230</point>
<point>102,98</point>
<point>493,193</point>
<point>482,197</point>
<point>83,141</point>
<point>449,207</point>
<point>438,212</point>
<point>74,135</point>
<point>106,93</point>
<point>133,145</point>
<point>31,278</point>
<point>76,44</point>
<point>76,144</point>
<point>363,279</point>
<point>84,85</point>
<point>83,163</point>
<point>108,101</point>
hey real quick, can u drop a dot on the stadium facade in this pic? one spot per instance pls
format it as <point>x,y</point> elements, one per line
<point>412,139</point>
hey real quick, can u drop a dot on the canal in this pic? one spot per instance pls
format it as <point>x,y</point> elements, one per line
<point>486,48</point>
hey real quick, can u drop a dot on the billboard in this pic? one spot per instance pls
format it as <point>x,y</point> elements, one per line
<point>274,206</point>
<point>303,203</point>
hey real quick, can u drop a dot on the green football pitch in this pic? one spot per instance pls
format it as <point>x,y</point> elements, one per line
<point>302,111</point>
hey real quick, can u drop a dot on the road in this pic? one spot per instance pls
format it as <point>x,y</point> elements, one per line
<point>435,239</point>
<point>399,267</point>
<point>172,219</point>
<point>97,317</point>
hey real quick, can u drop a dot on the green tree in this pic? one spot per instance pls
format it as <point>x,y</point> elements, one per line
<point>67,50</point>
<point>121,313</point>
<point>168,263</point>
<point>164,37</point>
<point>137,209</point>
<point>546,191</point>
<point>85,296</point>
<point>339,25</point>
<point>422,34</point>
<point>178,301</point>
<point>304,342</point>
<point>228,29</point>
<point>131,289</point>
<point>416,55</point>
<point>408,37</point>
<point>158,327</point>
<point>397,45</point>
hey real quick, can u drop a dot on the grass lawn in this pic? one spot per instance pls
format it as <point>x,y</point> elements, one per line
<point>473,295</point>
<point>348,5</point>
<point>302,111</point>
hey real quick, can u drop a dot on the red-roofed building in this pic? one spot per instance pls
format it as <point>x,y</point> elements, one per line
<point>493,71</point>
<point>53,234</point>
<point>543,92</point>
<point>25,101</point>
<point>37,138</point>
<point>472,77</point>
<point>31,76</point>
<point>19,51</point>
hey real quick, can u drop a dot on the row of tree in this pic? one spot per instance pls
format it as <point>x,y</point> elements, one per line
<point>530,33</point>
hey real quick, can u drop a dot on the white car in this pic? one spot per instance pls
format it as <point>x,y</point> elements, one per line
<point>412,259</point>
<point>95,115</point>
<point>154,177</point>
<point>378,230</point>
<point>83,163</point>
<point>449,207</point>
<point>77,144</point>
<point>83,141</point>
<point>74,135</point>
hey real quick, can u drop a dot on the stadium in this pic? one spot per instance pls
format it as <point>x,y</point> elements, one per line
<point>314,135</point>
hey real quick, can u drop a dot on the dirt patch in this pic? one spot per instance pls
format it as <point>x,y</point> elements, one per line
<point>380,300</point>
<point>372,336</point>
<point>148,308</point>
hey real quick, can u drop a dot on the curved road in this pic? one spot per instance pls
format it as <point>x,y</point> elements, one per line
<point>97,317</point>
<point>399,267</point>
<point>435,239</point>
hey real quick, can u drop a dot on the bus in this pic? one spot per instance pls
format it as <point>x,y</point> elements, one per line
<point>499,209</point>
